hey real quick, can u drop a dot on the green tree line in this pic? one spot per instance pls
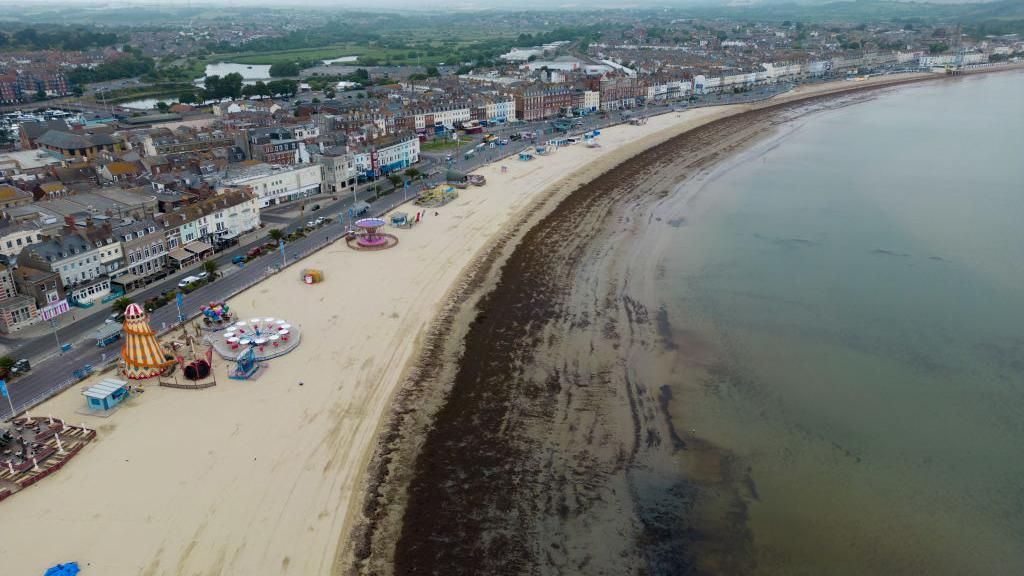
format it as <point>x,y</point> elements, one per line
<point>57,38</point>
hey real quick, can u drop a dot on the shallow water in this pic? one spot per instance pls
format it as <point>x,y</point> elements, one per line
<point>248,71</point>
<point>859,279</point>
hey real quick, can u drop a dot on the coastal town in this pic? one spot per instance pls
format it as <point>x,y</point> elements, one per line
<point>197,213</point>
<point>103,199</point>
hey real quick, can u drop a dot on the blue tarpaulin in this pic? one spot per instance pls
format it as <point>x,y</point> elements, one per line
<point>69,569</point>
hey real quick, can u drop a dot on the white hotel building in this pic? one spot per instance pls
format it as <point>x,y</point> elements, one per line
<point>273,184</point>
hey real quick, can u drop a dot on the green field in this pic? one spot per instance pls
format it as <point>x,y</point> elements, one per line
<point>392,55</point>
<point>142,92</point>
<point>435,145</point>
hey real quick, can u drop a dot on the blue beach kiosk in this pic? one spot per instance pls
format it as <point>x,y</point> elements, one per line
<point>105,394</point>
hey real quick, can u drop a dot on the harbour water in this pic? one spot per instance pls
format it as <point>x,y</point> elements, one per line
<point>852,291</point>
<point>149,103</point>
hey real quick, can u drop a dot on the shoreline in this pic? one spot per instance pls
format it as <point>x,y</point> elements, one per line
<point>401,438</point>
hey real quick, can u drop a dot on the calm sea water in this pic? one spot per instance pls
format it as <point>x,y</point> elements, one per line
<point>860,281</point>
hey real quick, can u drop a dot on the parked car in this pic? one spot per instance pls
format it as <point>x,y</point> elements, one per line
<point>237,259</point>
<point>202,275</point>
<point>503,141</point>
<point>320,220</point>
<point>21,366</point>
<point>187,280</point>
<point>254,252</point>
<point>310,223</point>
<point>314,208</point>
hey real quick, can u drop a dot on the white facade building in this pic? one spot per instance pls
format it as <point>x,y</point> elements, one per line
<point>502,111</point>
<point>372,161</point>
<point>338,170</point>
<point>448,118</point>
<point>276,184</point>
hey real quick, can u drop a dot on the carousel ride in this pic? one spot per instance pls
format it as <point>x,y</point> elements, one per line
<point>255,340</point>
<point>216,316</point>
<point>369,236</point>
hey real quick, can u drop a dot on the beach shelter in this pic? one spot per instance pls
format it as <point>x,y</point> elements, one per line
<point>106,394</point>
<point>141,356</point>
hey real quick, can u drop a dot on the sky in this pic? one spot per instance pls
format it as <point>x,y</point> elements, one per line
<point>427,4</point>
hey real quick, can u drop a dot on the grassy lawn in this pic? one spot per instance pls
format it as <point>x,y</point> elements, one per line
<point>141,92</point>
<point>394,55</point>
<point>435,145</point>
<point>325,53</point>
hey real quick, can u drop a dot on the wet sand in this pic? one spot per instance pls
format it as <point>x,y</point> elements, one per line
<point>534,437</point>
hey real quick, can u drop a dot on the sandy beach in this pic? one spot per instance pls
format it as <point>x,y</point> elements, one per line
<point>268,477</point>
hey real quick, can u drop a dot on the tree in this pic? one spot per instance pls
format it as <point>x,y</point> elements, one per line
<point>395,180</point>
<point>217,87</point>
<point>432,71</point>
<point>282,87</point>
<point>162,106</point>
<point>6,362</point>
<point>210,266</point>
<point>284,69</point>
<point>412,173</point>
<point>275,234</point>
<point>120,305</point>
<point>40,94</point>
<point>330,94</point>
<point>77,90</point>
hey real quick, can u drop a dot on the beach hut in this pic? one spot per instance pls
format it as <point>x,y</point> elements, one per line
<point>141,356</point>
<point>105,394</point>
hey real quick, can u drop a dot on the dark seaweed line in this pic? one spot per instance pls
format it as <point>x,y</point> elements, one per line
<point>421,378</point>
